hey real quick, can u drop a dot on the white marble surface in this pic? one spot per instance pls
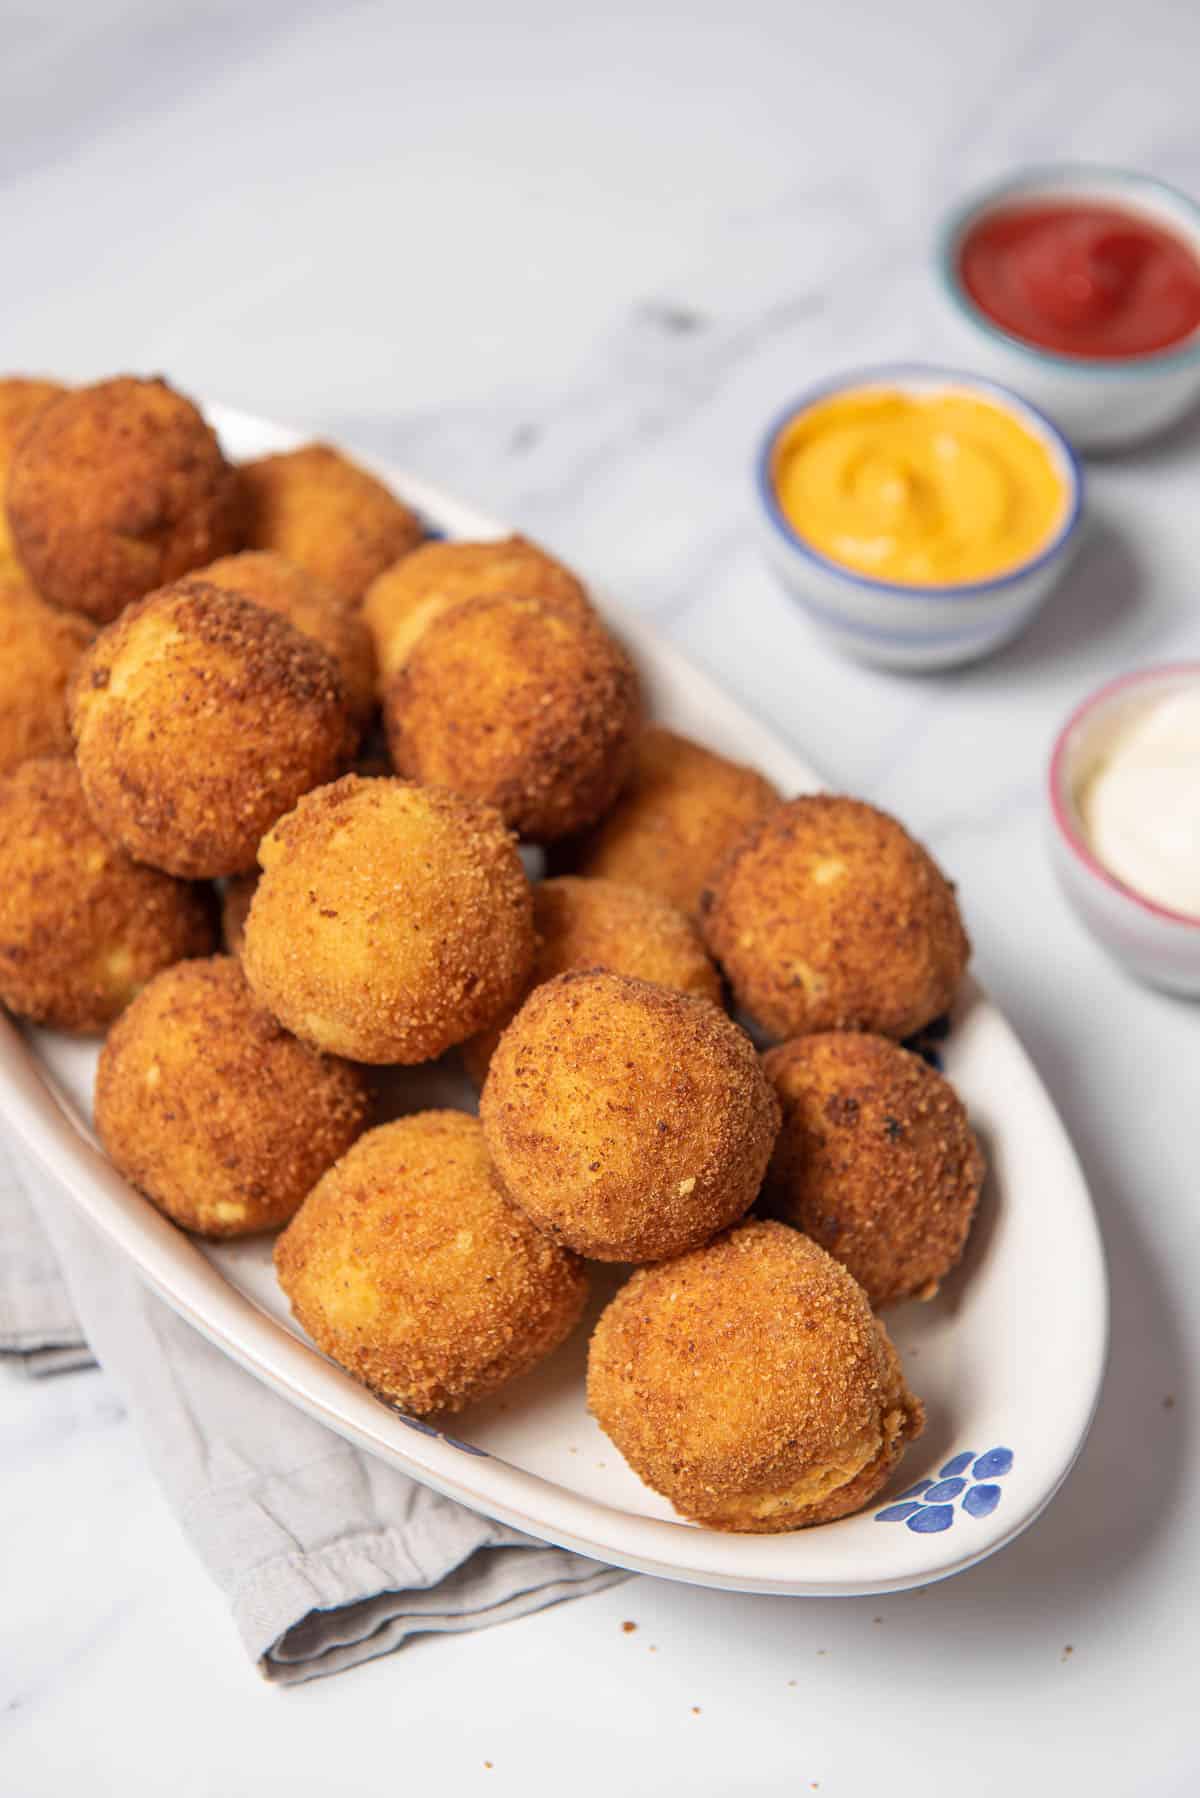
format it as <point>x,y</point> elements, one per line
<point>568,264</point>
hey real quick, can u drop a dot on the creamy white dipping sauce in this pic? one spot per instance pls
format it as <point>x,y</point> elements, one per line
<point>1139,802</point>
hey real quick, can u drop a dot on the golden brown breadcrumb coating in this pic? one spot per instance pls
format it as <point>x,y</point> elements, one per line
<point>39,647</point>
<point>82,928</point>
<point>874,1160</point>
<point>749,1383</point>
<point>236,895</point>
<point>391,921</point>
<point>22,397</point>
<point>208,1105</point>
<point>524,703</point>
<point>681,810</point>
<point>828,916</point>
<point>602,924</point>
<point>630,1121</point>
<point>409,1266</point>
<point>117,489</point>
<point>401,601</point>
<point>199,719</point>
<point>321,510</point>
<point>313,607</point>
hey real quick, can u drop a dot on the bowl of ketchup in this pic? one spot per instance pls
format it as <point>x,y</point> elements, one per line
<point>1080,287</point>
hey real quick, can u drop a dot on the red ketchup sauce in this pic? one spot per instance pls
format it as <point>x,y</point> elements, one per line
<point>1082,278</point>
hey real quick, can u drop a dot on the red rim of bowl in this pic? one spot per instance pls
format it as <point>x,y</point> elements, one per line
<point>1062,810</point>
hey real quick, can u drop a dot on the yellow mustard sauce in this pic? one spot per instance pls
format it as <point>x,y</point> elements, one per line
<point>919,489</point>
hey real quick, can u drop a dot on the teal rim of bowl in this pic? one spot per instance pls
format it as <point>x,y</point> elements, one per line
<point>1025,182</point>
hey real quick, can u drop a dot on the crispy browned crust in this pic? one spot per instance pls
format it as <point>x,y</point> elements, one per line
<point>391,921</point>
<point>21,399</point>
<point>39,647</point>
<point>199,719</point>
<point>680,811</point>
<point>117,489</point>
<point>321,510</point>
<point>747,1369</point>
<point>603,924</point>
<point>82,928</point>
<point>313,607</point>
<point>208,1105</point>
<point>410,1267</point>
<point>236,896</point>
<point>875,1160</point>
<point>630,1121</point>
<point>401,601</point>
<point>522,703</point>
<point>827,915</point>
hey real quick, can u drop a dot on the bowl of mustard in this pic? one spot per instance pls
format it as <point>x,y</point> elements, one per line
<point>919,516</point>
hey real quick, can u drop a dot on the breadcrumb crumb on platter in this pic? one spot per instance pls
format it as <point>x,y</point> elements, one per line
<point>1008,1352</point>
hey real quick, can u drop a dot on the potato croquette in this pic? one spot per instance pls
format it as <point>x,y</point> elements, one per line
<point>749,1383</point>
<point>402,600</point>
<point>874,1160</point>
<point>409,1266</point>
<point>390,922</point>
<point>82,928</point>
<point>21,399</point>
<point>235,909</point>
<point>199,719</point>
<point>828,916</point>
<point>39,647</point>
<point>681,810</point>
<point>523,703</point>
<point>631,1122</point>
<point>322,511</point>
<point>213,1110</point>
<point>315,609</point>
<point>602,924</point>
<point>117,489</point>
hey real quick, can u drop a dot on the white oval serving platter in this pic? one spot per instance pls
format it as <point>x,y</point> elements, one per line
<point>1008,1358</point>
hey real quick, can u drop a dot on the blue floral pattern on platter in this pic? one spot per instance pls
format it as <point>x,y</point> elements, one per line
<point>926,1043</point>
<point>426,1429</point>
<point>933,1505</point>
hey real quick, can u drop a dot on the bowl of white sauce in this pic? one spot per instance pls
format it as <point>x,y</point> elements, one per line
<point>1125,800</point>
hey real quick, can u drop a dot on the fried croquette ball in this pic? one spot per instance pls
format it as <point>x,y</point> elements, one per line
<point>749,1383</point>
<point>401,601</point>
<point>524,703</point>
<point>602,924</point>
<point>313,607</point>
<point>82,928</point>
<point>214,1110</point>
<point>199,719</point>
<point>682,809</point>
<point>390,922</point>
<point>630,1121</point>
<point>235,909</point>
<point>409,1266</point>
<point>828,916</point>
<point>39,647</point>
<point>322,511</point>
<point>874,1160</point>
<point>115,490</point>
<point>21,399</point>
